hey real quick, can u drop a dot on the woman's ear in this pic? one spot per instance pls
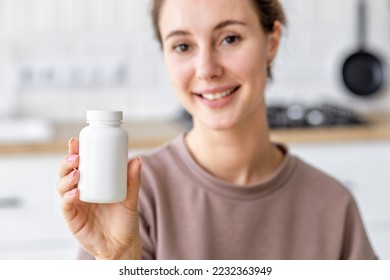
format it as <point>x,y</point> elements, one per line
<point>273,40</point>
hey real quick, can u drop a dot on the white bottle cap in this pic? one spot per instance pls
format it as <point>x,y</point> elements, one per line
<point>104,116</point>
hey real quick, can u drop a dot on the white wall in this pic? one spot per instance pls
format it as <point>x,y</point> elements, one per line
<point>319,37</point>
<point>98,38</point>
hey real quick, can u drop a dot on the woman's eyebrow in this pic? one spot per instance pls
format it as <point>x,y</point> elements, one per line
<point>176,33</point>
<point>228,22</point>
<point>220,25</point>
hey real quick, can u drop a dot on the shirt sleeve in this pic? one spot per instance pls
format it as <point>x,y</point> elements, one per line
<point>356,243</point>
<point>84,255</point>
<point>146,238</point>
<point>147,212</point>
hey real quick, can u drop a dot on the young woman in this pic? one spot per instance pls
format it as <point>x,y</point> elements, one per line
<point>221,190</point>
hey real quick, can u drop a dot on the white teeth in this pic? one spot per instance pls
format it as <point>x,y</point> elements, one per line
<point>215,96</point>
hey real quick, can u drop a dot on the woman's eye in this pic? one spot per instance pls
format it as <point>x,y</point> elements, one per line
<point>181,47</point>
<point>231,39</point>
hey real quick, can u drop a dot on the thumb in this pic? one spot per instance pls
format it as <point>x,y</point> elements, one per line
<point>133,183</point>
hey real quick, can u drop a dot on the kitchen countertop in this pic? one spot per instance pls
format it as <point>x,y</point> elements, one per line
<point>149,134</point>
<point>377,128</point>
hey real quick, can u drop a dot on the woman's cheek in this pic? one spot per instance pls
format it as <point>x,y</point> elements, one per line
<point>179,73</point>
<point>251,61</point>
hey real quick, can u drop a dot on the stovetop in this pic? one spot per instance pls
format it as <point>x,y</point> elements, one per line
<point>300,116</point>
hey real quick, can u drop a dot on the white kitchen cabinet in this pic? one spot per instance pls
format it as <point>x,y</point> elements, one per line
<point>363,167</point>
<point>32,226</point>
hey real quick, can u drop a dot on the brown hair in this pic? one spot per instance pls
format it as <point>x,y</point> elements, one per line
<point>268,12</point>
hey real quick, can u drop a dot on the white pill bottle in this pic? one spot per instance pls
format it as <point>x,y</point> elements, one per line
<point>103,157</point>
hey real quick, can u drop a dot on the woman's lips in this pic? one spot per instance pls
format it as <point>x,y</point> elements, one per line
<point>217,98</point>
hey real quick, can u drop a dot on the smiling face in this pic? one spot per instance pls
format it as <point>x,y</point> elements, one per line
<point>217,54</point>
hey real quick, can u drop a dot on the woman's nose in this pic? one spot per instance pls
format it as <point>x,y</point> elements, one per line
<point>207,65</point>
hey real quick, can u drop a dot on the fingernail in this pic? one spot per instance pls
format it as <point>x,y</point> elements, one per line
<point>139,160</point>
<point>72,158</point>
<point>72,174</point>
<point>72,192</point>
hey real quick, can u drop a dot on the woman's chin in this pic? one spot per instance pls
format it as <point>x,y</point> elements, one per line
<point>219,125</point>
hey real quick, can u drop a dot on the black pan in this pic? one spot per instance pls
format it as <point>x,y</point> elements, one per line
<point>363,72</point>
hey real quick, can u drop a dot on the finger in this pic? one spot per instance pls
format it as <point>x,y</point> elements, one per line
<point>68,182</point>
<point>133,183</point>
<point>69,163</point>
<point>73,146</point>
<point>68,204</point>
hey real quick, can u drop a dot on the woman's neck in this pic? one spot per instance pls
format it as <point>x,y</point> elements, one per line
<point>242,155</point>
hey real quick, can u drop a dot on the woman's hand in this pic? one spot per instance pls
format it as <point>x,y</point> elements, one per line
<point>106,231</point>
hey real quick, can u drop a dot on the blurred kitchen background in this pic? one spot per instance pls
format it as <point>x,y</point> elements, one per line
<point>59,58</point>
